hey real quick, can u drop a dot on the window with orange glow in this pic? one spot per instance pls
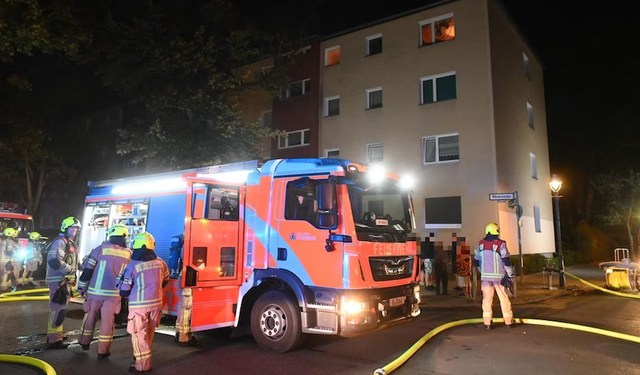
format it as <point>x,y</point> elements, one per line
<point>332,56</point>
<point>436,30</point>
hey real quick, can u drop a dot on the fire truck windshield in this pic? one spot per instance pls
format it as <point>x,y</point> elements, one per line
<point>381,213</point>
<point>24,226</point>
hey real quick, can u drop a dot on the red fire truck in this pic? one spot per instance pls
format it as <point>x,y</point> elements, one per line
<point>287,248</point>
<point>10,217</point>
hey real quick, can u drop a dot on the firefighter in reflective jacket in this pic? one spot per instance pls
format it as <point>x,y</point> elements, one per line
<point>62,265</point>
<point>98,281</point>
<point>142,282</point>
<point>492,257</point>
<point>33,258</point>
<point>9,264</point>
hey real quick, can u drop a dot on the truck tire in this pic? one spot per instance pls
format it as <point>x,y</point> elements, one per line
<point>275,322</point>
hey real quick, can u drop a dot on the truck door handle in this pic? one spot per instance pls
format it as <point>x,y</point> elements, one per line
<point>282,253</point>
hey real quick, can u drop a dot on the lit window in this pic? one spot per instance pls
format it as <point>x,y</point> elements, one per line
<point>530,115</point>
<point>332,106</point>
<point>374,98</point>
<point>438,88</point>
<point>441,148</point>
<point>375,153</point>
<point>438,29</point>
<point>374,44</point>
<point>332,56</point>
<point>294,139</point>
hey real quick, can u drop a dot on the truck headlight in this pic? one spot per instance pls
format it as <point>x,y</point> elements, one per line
<point>22,253</point>
<point>353,307</point>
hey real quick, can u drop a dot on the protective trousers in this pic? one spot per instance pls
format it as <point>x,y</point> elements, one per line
<point>142,327</point>
<point>488,288</point>
<point>183,324</point>
<point>106,311</point>
<point>57,313</point>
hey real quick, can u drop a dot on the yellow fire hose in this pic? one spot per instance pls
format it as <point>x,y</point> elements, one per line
<point>20,295</point>
<point>549,323</point>
<point>30,361</point>
<point>406,355</point>
<point>619,294</point>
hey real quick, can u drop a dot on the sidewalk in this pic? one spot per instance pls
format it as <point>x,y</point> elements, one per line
<point>533,290</point>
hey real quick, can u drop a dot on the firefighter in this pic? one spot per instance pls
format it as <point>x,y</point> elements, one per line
<point>9,263</point>
<point>62,265</point>
<point>492,257</point>
<point>33,258</point>
<point>184,337</point>
<point>142,282</point>
<point>101,270</point>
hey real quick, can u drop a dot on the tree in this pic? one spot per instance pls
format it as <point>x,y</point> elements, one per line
<point>32,166</point>
<point>177,66</point>
<point>621,191</point>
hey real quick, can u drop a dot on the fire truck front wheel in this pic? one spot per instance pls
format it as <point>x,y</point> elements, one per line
<point>275,322</point>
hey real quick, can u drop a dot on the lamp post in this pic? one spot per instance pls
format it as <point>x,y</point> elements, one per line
<point>555,185</point>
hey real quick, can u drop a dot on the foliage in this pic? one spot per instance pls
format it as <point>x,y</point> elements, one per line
<point>622,193</point>
<point>32,165</point>
<point>177,65</point>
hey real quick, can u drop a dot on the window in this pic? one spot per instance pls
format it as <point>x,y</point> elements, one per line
<point>438,29</point>
<point>527,65</point>
<point>536,218</point>
<point>530,115</point>
<point>302,202</point>
<point>441,148</point>
<point>296,89</point>
<point>332,56</point>
<point>534,165</point>
<point>215,202</point>
<point>333,154</point>
<point>266,119</point>
<point>374,44</point>
<point>331,106</point>
<point>443,213</point>
<point>294,139</point>
<point>374,98</point>
<point>438,88</point>
<point>375,153</point>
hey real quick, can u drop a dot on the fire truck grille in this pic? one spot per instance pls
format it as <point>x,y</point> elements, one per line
<point>391,268</point>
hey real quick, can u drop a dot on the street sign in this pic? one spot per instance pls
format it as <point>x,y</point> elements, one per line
<point>501,196</point>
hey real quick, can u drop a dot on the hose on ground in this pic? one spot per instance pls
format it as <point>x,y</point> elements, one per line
<point>549,323</point>
<point>29,361</point>
<point>619,294</point>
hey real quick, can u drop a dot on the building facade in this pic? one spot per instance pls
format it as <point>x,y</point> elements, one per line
<point>452,95</point>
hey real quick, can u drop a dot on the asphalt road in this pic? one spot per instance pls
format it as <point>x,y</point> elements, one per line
<point>462,350</point>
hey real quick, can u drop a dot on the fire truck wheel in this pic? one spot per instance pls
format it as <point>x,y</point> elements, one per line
<point>275,322</point>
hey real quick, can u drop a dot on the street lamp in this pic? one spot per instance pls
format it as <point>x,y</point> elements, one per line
<point>555,185</point>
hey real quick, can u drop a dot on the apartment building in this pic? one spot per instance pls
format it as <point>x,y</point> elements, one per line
<point>452,95</point>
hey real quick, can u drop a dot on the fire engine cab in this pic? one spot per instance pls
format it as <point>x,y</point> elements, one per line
<point>10,217</point>
<point>287,248</point>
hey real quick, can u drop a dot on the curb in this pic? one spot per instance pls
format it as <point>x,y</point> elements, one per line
<point>469,303</point>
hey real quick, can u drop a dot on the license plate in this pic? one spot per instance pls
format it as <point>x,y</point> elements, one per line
<point>397,301</point>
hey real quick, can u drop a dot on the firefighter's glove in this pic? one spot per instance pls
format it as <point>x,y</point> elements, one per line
<point>61,295</point>
<point>510,272</point>
<point>506,282</point>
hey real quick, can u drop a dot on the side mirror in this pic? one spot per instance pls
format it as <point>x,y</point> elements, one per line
<point>327,212</point>
<point>326,192</point>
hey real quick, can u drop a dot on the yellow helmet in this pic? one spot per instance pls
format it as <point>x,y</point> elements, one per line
<point>11,232</point>
<point>68,223</point>
<point>493,229</point>
<point>118,230</point>
<point>144,239</point>
<point>34,236</point>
